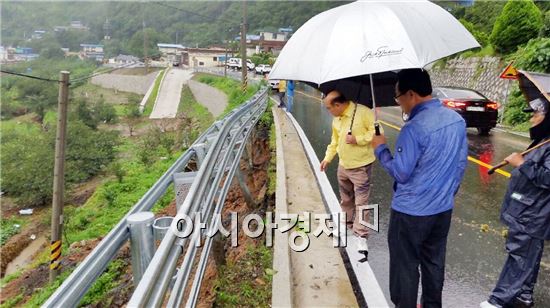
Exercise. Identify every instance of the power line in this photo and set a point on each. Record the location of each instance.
(29, 76)
(102, 72)
(194, 13)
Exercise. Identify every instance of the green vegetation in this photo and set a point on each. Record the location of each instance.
(12, 302)
(153, 97)
(535, 56)
(28, 156)
(230, 87)
(234, 288)
(20, 95)
(104, 284)
(215, 22)
(513, 114)
(518, 22)
(263, 58)
(43, 294)
(9, 227)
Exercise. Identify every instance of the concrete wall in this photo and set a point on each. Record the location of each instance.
(480, 74)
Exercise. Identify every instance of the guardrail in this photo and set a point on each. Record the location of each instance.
(217, 152)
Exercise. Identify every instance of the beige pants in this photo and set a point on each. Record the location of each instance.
(354, 186)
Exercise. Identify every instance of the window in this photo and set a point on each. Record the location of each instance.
(274, 36)
(201, 63)
(215, 59)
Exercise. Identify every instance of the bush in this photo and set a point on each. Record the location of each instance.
(28, 159)
(481, 37)
(535, 56)
(513, 114)
(545, 30)
(518, 22)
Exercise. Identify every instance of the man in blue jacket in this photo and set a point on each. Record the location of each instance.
(427, 166)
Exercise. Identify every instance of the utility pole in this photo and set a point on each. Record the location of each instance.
(59, 176)
(225, 62)
(244, 68)
(144, 40)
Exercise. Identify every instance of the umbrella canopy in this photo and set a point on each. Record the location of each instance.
(367, 37)
(534, 85)
(358, 88)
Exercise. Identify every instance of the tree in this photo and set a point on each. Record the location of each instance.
(153, 38)
(28, 160)
(480, 36)
(545, 29)
(85, 114)
(104, 112)
(535, 56)
(483, 14)
(519, 22)
(133, 116)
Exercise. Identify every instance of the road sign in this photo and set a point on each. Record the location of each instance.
(509, 72)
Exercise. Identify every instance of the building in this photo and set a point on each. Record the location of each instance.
(170, 49)
(272, 36)
(203, 57)
(92, 51)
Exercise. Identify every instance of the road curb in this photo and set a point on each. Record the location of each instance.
(281, 287)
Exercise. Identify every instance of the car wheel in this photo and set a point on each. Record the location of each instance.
(483, 131)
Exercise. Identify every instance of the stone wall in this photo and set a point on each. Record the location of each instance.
(480, 74)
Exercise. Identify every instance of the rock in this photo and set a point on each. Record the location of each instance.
(26, 212)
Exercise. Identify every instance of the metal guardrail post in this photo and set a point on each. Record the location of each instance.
(182, 184)
(142, 244)
(161, 226)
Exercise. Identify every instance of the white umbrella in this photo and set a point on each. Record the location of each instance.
(367, 37)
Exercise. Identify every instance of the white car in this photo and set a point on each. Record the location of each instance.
(263, 69)
(235, 63)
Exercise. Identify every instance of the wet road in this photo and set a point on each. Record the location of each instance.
(475, 250)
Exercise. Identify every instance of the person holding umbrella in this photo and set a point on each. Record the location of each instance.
(352, 132)
(526, 211)
(427, 167)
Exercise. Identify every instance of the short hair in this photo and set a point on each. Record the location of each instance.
(415, 79)
(341, 99)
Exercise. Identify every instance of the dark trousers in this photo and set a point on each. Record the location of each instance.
(417, 241)
(519, 275)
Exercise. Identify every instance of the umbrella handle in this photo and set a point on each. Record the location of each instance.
(377, 129)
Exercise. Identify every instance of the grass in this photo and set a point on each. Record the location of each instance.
(192, 109)
(486, 51)
(523, 127)
(94, 92)
(10, 227)
(10, 277)
(230, 87)
(104, 284)
(12, 302)
(234, 287)
(39, 298)
(152, 98)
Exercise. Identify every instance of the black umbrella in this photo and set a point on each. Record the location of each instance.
(358, 89)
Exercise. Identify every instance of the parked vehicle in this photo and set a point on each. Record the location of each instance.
(477, 110)
(235, 63)
(263, 69)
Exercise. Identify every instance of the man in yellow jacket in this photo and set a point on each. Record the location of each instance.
(352, 132)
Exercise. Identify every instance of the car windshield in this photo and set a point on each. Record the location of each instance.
(457, 94)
